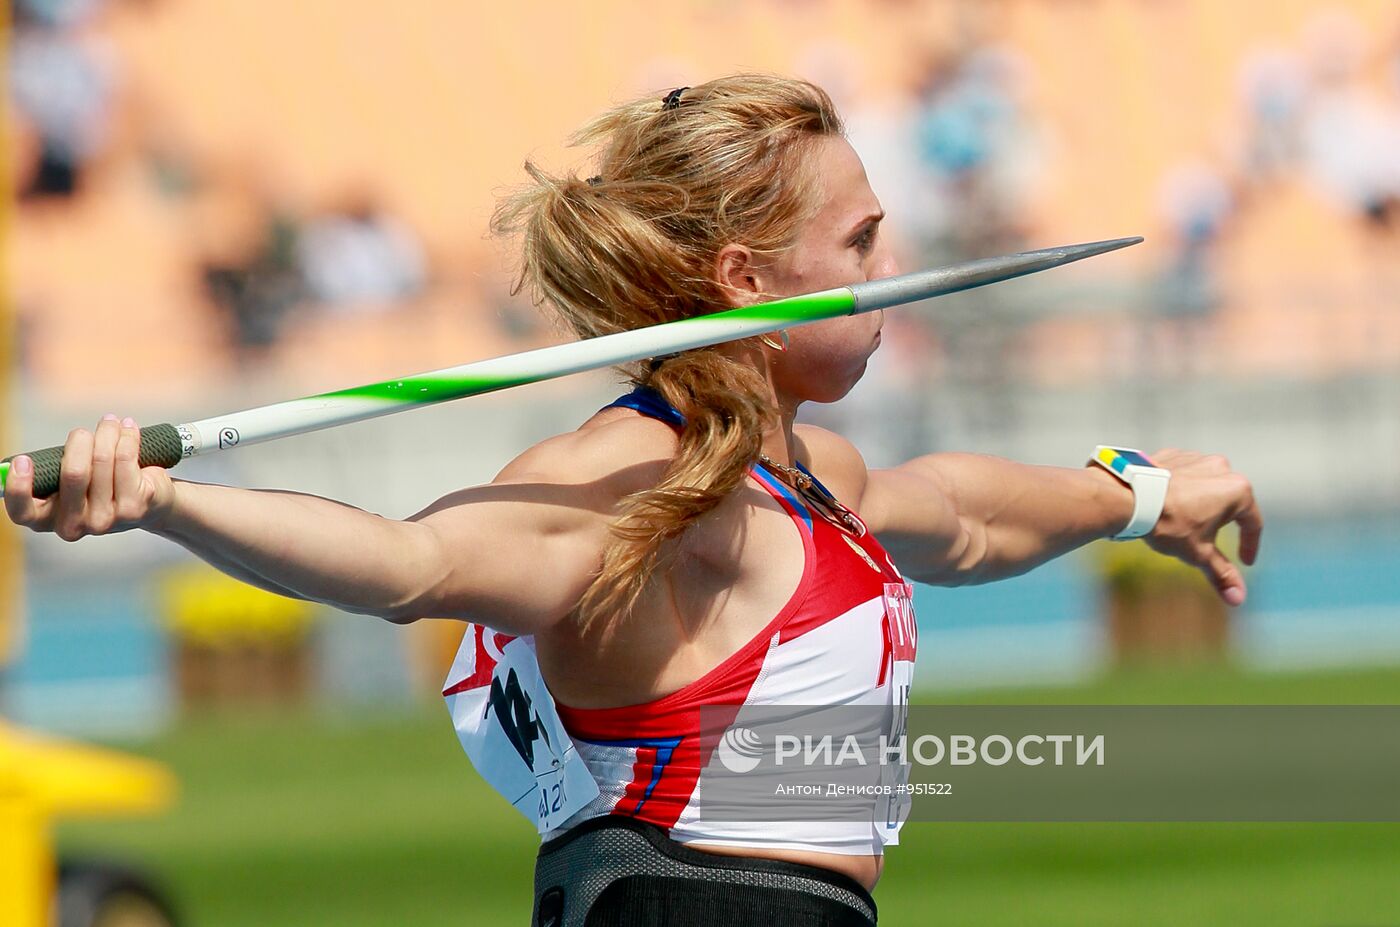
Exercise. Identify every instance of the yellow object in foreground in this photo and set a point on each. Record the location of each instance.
(1130, 564)
(42, 778)
(203, 606)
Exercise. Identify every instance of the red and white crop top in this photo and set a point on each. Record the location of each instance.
(845, 637)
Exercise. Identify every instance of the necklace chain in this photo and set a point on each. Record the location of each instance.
(807, 486)
(799, 479)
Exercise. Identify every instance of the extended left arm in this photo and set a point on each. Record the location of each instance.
(955, 519)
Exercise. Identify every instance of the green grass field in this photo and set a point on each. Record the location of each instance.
(310, 819)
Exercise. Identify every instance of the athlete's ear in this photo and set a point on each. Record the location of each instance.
(736, 274)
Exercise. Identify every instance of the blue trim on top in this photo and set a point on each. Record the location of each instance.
(865, 529)
(649, 401)
(816, 482)
(787, 494)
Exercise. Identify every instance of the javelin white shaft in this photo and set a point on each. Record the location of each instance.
(313, 413)
(345, 406)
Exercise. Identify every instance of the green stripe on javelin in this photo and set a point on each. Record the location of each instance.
(426, 389)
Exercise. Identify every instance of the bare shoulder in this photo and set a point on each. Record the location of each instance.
(545, 521)
(834, 460)
(616, 452)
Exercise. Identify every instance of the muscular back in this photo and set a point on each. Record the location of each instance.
(719, 584)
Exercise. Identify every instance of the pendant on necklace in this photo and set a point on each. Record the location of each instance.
(804, 484)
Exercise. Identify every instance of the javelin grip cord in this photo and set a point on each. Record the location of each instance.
(160, 447)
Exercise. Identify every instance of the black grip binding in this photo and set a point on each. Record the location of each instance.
(160, 447)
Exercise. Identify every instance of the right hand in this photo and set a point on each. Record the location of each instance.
(101, 490)
(1204, 495)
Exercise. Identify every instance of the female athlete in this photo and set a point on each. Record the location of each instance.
(689, 544)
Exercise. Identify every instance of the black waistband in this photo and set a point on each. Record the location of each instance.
(658, 838)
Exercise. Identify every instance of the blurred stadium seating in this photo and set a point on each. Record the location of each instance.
(1260, 320)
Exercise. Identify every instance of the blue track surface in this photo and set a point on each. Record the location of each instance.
(1329, 588)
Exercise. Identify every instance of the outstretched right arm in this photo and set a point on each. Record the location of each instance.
(515, 554)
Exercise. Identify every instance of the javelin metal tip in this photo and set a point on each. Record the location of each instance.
(1054, 257)
(941, 281)
(1091, 248)
(1111, 243)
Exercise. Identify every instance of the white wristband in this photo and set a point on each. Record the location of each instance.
(1147, 481)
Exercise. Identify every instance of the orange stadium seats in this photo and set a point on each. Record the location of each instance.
(435, 113)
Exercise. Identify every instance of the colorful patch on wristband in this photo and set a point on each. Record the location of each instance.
(1119, 460)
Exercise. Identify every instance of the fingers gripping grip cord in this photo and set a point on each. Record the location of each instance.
(160, 447)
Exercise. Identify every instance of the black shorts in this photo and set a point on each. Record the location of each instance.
(611, 871)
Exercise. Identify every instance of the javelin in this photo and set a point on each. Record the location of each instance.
(166, 445)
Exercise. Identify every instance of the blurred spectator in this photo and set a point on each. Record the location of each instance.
(54, 14)
(1351, 135)
(1353, 147)
(978, 144)
(1273, 89)
(1196, 201)
(62, 84)
(352, 260)
(976, 139)
(257, 293)
(358, 258)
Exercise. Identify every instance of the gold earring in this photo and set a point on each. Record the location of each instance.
(776, 347)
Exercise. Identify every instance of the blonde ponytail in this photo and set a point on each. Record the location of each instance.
(635, 246)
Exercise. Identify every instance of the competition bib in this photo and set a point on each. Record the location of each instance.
(508, 725)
